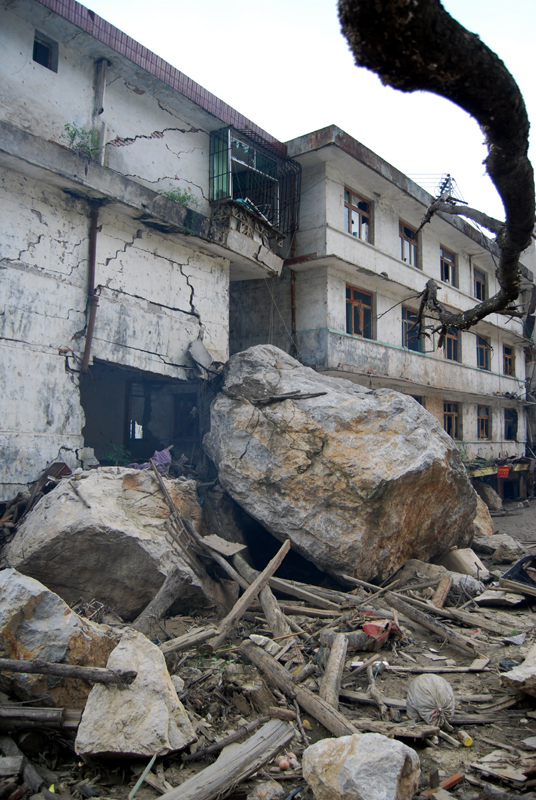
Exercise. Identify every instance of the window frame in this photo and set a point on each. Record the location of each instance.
(483, 346)
(411, 242)
(455, 344)
(513, 421)
(451, 264)
(483, 422)
(454, 415)
(350, 208)
(358, 303)
(408, 323)
(483, 293)
(509, 361)
(52, 46)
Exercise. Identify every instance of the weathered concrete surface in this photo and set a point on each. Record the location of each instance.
(141, 719)
(361, 767)
(36, 624)
(360, 481)
(118, 551)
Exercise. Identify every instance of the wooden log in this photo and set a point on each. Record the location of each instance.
(331, 719)
(362, 668)
(440, 594)
(235, 764)
(455, 639)
(396, 730)
(287, 587)
(274, 615)
(187, 640)
(331, 680)
(467, 617)
(173, 587)
(478, 665)
(242, 731)
(13, 717)
(363, 698)
(228, 623)
(92, 674)
(302, 611)
(375, 694)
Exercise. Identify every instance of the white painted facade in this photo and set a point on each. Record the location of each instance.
(326, 259)
(162, 268)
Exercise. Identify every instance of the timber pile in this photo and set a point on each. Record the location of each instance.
(288, 664)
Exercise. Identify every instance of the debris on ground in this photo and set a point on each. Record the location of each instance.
(157, 642)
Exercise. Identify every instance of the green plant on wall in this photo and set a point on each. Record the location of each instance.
(81, 141)
(184, 197)
(116, 455)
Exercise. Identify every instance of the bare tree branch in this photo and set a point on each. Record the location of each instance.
(414, 45)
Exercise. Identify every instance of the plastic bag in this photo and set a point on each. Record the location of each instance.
(431, 698)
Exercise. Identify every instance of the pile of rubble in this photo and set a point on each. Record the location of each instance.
(152, 646)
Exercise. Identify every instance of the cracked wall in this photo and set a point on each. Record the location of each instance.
(157, 293)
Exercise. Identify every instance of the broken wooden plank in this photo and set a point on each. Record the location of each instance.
(251, 592)
(222, 546)
(331, 719)
(235, 763)
(468, 618)
(173, 587)
(287, 587)
(396, 729)
(455, 639)
(440, 594)
(92, 674)
(478, 665)
(11, 765)
(331, 680)
(187, 640)
(29, 773)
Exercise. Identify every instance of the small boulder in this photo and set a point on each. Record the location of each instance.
(466, 562)
(488, 495)
(361, 767)
(36, 624)
(141, 719)
(503, 548)
(523, 677)
(118, 550)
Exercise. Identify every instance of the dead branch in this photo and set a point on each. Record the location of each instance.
(422, 48)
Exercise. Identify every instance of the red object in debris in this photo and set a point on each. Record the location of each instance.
(379, 630)
(503, 472)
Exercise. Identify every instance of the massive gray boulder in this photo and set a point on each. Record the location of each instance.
(359, 480)
(107, 540)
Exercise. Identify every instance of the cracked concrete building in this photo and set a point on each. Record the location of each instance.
(142, 215)
(131, 197)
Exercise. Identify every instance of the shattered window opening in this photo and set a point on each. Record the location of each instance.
(510, 424)
(480, 285)
(411, 338)
(408, 244)
(452, 345)
(509, 360)
(447, 263)
(45, 51)
(358, 312)
(136, 410)
(357, 215)
(483, 421)
(186, 417)
(251, 171)
(483, 352)
(451, 419)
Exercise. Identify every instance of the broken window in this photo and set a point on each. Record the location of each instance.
(357, 216)
(510, 424)
(136, 410)
(408, 244)
(452, 349)
(509, 360)
(410, 334)
(45, 51)
(254, 173)
(451, 419)
(483, 422)
(483, 352)
(447, 263)
(480, 284)
(358, 312)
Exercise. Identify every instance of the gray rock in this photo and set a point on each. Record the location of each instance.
(141, 719)
(36, 624)
(503, 548)
(117, 551)
(463, 586)
(483, 522)
(361, 767)
(268, 790)
(360, 481)
(488, 495)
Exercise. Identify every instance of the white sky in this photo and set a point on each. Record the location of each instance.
(285, 65)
